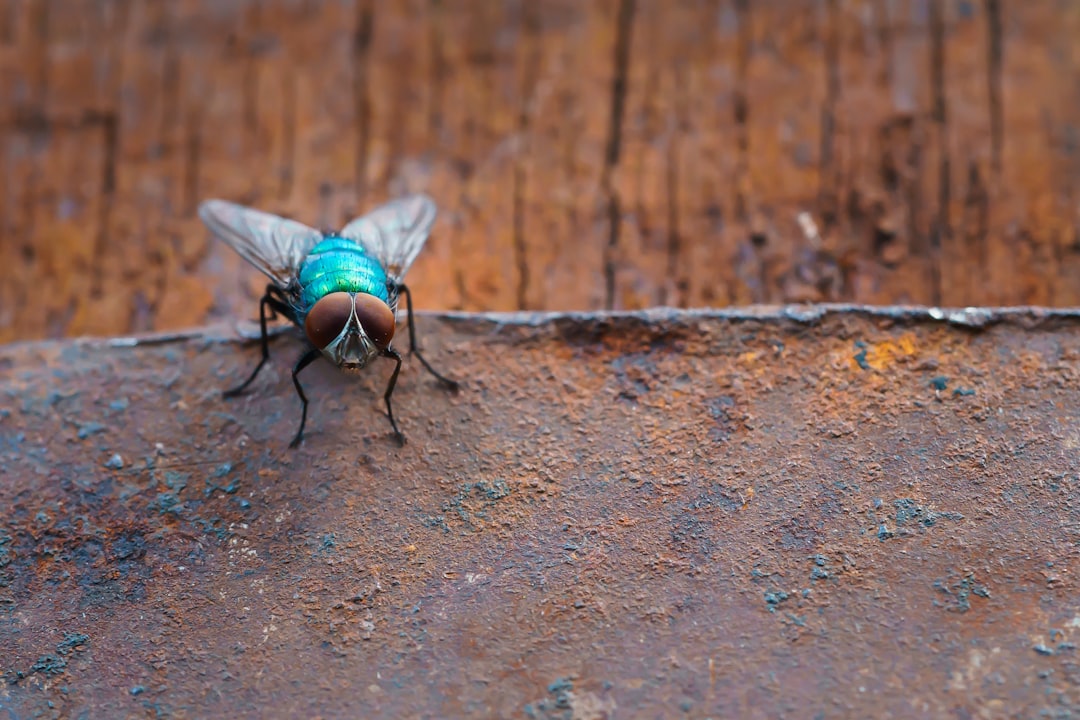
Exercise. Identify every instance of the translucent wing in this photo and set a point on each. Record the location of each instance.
(395, 232)
(273, 244)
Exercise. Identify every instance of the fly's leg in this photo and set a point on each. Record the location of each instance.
(273, 300)
(450, 384)
(305, 360)
(394, 355)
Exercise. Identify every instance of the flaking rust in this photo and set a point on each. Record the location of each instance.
(804, 511)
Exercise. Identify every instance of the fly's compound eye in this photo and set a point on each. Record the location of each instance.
(377, 319)
(328, 318)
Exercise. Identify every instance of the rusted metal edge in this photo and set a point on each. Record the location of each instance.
(974, 318)
(970, 317)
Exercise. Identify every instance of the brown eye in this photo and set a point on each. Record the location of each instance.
(376, 318)
(328, 318)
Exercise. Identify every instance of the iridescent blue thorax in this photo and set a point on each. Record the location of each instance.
(337, 264)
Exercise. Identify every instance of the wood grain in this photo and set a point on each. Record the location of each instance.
(585, 153)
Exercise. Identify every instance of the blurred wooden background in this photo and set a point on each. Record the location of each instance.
(585, 153)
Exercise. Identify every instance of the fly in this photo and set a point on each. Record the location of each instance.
(341, 288)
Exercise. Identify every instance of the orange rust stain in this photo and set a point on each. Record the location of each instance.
(748, 358)
(1030, 363)
(886, 354)
(883, 355)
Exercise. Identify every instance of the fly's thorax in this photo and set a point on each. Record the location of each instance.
(339, 265)
(350, 328)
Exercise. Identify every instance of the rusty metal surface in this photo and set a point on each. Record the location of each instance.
(806, 512)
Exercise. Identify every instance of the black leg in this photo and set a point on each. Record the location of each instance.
(305, 360)
(271, 300)
(450, 384)
(393, 354)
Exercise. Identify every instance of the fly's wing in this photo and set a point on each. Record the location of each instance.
(273, 244)
(393, 234)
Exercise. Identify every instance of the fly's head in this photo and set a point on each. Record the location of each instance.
(350, 328)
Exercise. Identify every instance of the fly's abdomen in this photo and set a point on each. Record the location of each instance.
(340, 265)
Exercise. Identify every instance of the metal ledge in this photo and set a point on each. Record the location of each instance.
(806, 511)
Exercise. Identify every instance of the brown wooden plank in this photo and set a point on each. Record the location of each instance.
(563, 226)
(607, 153)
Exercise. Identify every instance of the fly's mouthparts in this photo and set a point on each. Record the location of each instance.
(353, 349)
